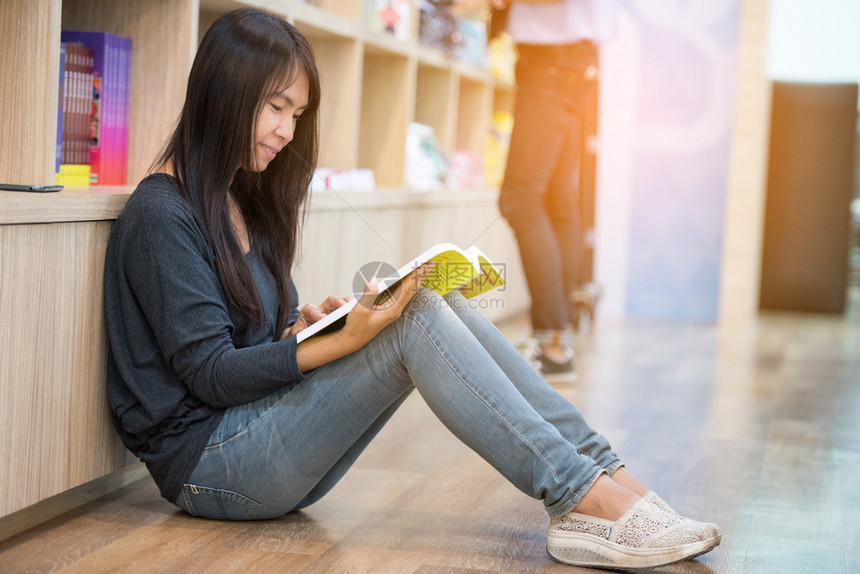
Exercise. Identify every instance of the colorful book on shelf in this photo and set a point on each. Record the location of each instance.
(73, 175)
(77, 103)
(468, 270)
(109, 103)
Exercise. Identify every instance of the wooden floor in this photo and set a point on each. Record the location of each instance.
(759, 432)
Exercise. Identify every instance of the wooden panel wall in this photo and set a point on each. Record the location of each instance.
(55, 424)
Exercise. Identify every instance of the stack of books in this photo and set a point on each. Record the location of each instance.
(76, 110)
(94, 114)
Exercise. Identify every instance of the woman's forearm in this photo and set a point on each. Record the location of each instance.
(317, 351)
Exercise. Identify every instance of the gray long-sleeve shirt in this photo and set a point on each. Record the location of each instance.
(180, 354)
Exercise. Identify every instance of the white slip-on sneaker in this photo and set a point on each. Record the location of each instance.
(655, 499)
(644, 537)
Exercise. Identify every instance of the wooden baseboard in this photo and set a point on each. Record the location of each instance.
(49, 508)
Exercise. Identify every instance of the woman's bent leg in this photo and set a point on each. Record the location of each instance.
(285, 451)
(471, 394)
(553, 407)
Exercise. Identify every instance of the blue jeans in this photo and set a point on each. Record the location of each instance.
(287, 450)
(540, 192)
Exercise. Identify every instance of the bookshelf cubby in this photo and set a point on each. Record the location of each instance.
(435, 102)
(474, 101)
(386, 88)
(58, 433)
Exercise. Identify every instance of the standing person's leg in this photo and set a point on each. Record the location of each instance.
(563, 197)
(538, 138)
(562, 203)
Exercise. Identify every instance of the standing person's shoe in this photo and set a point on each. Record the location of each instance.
(558, 367)
(583, 306)
(555, 372)
(646, 536)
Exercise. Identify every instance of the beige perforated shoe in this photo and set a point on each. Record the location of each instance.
(655, 499)
(646, 536)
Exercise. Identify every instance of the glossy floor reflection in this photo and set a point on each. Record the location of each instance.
(758, 431)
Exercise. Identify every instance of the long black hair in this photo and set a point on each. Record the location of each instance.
(246, 56)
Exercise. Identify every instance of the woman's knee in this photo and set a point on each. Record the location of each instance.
(458, 303)
(426, 301)
(430, 309)
(450, 307)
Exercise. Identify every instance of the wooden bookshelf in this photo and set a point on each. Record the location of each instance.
(374, 84)
(52, 339)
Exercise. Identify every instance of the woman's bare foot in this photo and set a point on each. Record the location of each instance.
(623, 477)
(607, 499)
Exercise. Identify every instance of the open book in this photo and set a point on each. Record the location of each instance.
(468, 270)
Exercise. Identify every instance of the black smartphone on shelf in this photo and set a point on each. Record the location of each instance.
(35, 188)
